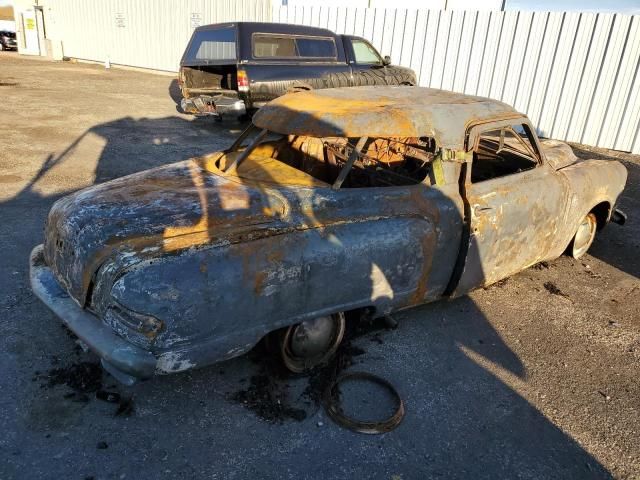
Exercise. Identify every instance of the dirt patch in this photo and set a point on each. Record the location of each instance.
(10, 179)
(553, 289)
(541, 266)
(498, 284)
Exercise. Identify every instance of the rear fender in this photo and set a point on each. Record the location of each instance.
(217, 302)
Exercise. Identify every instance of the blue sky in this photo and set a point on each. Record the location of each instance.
(621, 6)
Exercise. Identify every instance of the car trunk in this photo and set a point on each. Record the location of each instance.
(166, 209)
(216, 79)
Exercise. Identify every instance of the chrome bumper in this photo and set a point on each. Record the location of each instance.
(126, 362)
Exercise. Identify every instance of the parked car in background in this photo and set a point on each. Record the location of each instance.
(8, 40)
(335, 201)
(238, 67)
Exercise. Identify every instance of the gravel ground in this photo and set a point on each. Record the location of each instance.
(520, 380)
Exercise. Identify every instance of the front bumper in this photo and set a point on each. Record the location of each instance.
(213, 105)
(618, 216)
(124, 360)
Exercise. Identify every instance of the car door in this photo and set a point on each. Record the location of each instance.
(367, 66)
(514, 202)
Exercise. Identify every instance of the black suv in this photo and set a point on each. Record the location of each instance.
(8, 40)
(238, 67)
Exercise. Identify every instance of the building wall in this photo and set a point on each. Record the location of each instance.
(8, 25)
(430, 4)
(141, 33)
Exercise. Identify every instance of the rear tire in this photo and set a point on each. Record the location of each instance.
(585, 234)
(311, 343)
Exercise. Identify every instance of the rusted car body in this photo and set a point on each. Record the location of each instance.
(331, 201)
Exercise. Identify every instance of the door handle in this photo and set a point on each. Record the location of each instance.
(479, 209)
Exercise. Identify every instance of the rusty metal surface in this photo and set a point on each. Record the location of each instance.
(195, 264)
(558, 153)
(183, 241)
(380, 112)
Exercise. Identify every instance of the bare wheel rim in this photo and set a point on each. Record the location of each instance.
(584, 236)
(311, 343)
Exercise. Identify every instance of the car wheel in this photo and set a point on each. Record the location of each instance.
(584, 236)
(312, 342)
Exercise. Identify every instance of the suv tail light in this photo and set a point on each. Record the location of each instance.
(243, 81)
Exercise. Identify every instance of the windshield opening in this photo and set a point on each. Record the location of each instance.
(377, 161)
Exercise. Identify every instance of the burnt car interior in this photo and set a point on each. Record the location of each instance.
(503, 152)
(378, 162)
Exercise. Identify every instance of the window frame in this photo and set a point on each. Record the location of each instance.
(353, 52)
(294, 37)
(474, 132)
(193, 62)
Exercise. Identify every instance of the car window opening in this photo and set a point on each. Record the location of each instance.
(212, 45)
(365, 54)
(381, 162)
(266, 45)
(502, 152)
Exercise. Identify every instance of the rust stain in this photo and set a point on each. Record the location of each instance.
(380, 112)
(259, 280)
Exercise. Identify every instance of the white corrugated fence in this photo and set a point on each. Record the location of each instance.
(574, 74)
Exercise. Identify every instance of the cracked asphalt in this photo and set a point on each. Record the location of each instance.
(520, 380)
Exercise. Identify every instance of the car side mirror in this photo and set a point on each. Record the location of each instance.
(387, 60)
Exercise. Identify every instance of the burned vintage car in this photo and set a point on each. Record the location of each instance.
(331, 201)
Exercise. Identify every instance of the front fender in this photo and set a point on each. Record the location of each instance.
(591, 182)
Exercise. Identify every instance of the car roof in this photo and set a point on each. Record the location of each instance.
(270, 27)
(381, 111)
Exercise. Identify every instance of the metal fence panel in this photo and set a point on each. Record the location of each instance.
(576, 75)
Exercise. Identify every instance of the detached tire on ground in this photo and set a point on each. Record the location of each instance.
(312, 342)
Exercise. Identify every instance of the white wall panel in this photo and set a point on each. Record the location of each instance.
(143, 33)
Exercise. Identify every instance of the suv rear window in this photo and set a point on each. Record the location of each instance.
(209, 46)
(267, 45)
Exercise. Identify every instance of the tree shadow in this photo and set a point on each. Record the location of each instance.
(462, 419)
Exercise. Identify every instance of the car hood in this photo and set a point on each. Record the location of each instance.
(161, 211)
